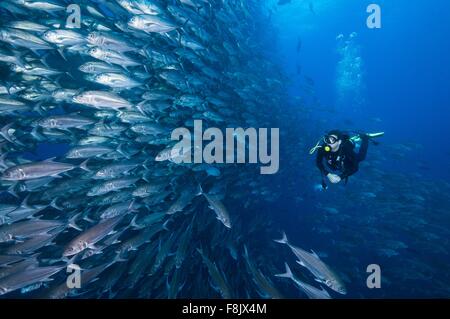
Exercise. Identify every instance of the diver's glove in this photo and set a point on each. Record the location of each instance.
(333, 178)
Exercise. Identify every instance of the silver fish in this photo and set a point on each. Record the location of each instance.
(316, 266)
(102, 100)
(91, 236)
(311, 291)
(36, 170)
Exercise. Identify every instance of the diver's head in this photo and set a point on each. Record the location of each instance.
(332, 141)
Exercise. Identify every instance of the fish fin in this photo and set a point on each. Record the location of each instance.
(287, 273)
(35, 51)
(139, 107)
(184, 23)
(143, 53)
(283, 240)
(301, 263)
(2, 159)
(314, 254)
(38, 136)
(246, 252)
(4, 132)
(44, 60)
(93, 247)
(118, 259)
(24, 203)
(70, 260)
(133, 223)
(71, 223)
(199, 190)
(69, 75)
(11, 190)
(38, 108)
(61, 53)
(125, 68)
(120, 151)
(46, 280)
(130, 207)
(19, 61)
(84, 167)
(318, 280)
(166, 223)
(54, 205)
(86, 218)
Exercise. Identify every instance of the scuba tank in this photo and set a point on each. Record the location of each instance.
(356, 141)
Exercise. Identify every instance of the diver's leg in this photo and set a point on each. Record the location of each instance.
(363, 148)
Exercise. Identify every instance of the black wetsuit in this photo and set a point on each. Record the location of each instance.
(344, 162)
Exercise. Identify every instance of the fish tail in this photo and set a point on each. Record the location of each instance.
(283, 240)
(4, 132)
(199, 190)
(24, 203)
(84, 167)
(2, 160)
(133, 223)
(12, 190)
(72, 222)
(287, 273)
(245, 251)
(54, 204)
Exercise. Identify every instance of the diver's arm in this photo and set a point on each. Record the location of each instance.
(319, 163)
(321, 167)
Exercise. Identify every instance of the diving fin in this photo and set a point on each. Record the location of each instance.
(373, 135)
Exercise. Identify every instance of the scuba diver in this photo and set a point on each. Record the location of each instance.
(336, 156)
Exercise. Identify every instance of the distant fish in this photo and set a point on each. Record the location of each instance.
(282, 2)
(311, 8)
(299, 45)
(299, 69)
(219, 208)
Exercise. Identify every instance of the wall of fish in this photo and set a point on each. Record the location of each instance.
(86, 175)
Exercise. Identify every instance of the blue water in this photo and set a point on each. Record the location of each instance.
(341, 75)
(406, 68)
(405, 88)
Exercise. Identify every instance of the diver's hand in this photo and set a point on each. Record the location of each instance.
(333, 178)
